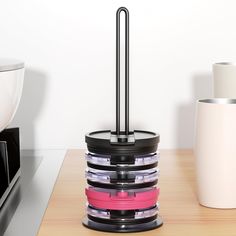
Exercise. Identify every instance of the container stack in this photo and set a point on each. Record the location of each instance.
(122, 174)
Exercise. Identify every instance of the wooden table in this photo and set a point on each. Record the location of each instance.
(178, 203)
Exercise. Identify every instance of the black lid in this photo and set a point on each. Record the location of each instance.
(106, 142)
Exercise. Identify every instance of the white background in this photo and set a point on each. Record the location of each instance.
(69, 50)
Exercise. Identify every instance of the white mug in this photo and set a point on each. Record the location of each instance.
(224, 80)
(215, 152)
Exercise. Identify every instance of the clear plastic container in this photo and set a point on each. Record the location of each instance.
(104, 176)
(138, 214)
(105, 160)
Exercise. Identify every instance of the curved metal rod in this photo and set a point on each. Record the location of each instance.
(125, 10)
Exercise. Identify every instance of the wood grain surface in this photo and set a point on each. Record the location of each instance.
(179, 208)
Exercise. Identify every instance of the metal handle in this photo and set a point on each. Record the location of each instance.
(125, 10)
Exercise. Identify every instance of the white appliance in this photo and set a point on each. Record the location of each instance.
(11, 84)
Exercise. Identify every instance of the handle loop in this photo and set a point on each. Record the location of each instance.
(125, 10)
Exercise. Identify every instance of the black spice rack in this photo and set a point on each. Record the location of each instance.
(122, 167)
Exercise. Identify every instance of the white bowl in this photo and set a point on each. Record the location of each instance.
(11, 84)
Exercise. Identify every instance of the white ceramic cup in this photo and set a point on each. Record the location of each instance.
(224, 80)
(215, 152)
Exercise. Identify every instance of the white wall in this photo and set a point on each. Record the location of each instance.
(69, 50)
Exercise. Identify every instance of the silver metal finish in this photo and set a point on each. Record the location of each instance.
(23, 210)
(218, 101)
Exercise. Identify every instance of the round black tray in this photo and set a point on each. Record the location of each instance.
(138, 142)
(122, 228)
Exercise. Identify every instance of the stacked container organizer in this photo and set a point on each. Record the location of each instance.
(122, 173)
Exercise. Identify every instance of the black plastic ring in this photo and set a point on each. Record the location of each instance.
(123, 221)
(122, 168)
(122, 186)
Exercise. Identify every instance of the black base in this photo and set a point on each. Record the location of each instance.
(119, 228)
(9, 160)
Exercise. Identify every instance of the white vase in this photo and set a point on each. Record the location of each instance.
(215, 152)
(224, 79)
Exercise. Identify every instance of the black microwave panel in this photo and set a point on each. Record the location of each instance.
(11, 137)
(3, 168)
